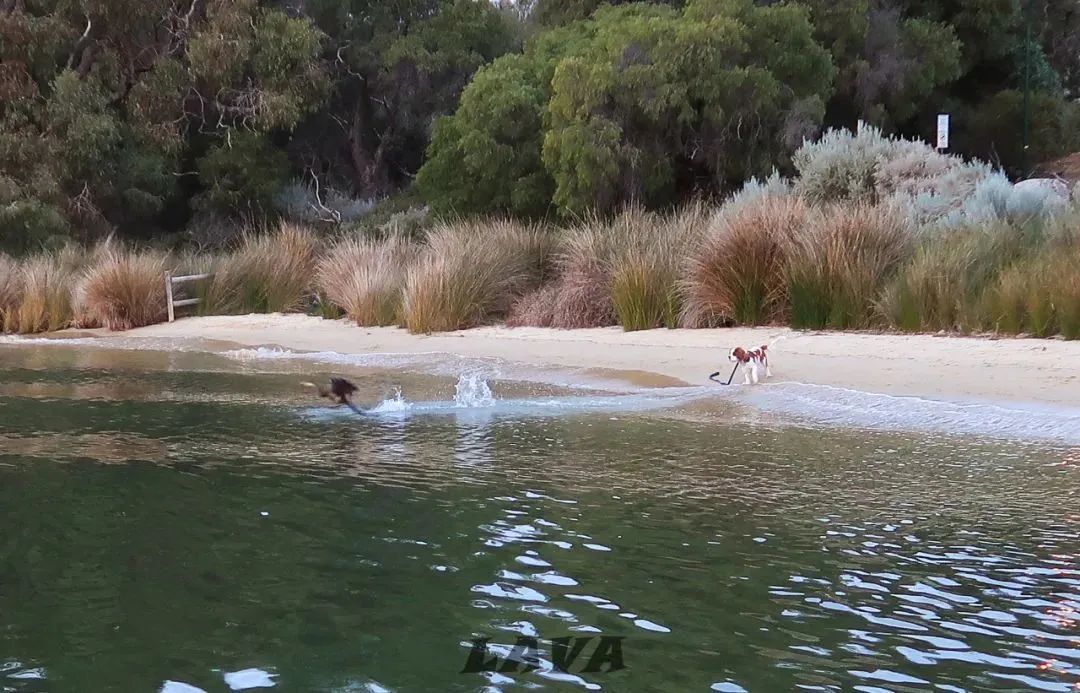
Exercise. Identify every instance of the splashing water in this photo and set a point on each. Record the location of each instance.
(472, 392)
(392, 404)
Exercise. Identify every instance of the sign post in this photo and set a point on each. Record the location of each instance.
(942, 132)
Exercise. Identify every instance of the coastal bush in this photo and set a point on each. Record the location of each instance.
(1065, 294)
(365, 277)
(841, 165)
(534, 309)
(646, 265)
(839, 263)
(123, 289)
(10, 289)
(582, 294)
(45, 302)
(470, 271)
(1039, 295)
(736, 273)
(270, 272)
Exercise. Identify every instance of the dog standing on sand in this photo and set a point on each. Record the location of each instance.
(752, 360)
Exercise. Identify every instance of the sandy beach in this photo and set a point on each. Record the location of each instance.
(937, 367)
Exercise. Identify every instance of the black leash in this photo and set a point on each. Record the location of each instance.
(713, 376)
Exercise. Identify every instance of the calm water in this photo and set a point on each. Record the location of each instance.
(183, 522)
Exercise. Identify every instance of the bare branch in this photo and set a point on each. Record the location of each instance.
(334, 215)
(80, 44)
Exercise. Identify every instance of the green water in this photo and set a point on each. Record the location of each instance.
(176, 521)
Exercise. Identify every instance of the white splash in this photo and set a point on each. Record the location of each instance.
(473, 392)
(393, 404)
(249, 678)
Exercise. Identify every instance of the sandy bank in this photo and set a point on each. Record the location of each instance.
(952, 368)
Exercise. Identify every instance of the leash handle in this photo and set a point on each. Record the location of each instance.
(730, 377)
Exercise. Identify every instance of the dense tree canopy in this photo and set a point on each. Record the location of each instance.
(642, 102)
(142, 115)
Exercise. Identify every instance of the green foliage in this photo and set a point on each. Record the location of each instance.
(242, 173)
(629, 103)
(115, 115)
(105, 104)
(487, 156)
(996, 126)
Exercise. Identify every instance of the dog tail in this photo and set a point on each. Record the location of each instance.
(774, 341)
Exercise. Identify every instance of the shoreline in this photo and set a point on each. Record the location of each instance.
(948, 368)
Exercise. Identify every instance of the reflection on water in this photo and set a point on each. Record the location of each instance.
(248, 540)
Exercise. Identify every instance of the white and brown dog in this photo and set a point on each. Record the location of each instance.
(752, 360)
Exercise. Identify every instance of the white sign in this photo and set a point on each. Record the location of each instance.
(943, 131)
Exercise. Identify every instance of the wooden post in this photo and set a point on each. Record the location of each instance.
(169, 295)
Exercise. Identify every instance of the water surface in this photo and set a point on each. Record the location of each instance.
(184, 522)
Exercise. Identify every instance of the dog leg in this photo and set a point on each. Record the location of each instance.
(768, 368)
(746, 373)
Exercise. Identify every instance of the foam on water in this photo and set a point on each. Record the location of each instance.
(844, 407)
(438, 364)
(47, 341)
(473, 397)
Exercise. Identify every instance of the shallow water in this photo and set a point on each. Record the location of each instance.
(185, 522)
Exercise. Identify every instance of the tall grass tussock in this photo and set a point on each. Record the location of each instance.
(841, 262)
(270, 272)
(124, 289)
(737, 273)
(10, 291)
(365, 277)
(472, 271)
(647, 265)
(45, 303)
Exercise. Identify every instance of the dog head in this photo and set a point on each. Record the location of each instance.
(738, 354)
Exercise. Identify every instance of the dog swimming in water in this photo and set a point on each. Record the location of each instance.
(340, 391)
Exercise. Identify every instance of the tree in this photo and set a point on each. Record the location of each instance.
(487, 156)
(397, 66)
(641, 102)
(106, 102)
(891, 66)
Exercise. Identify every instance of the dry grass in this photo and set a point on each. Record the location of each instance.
(10, 290)
(366, 277)
(124, 289)
(534, 309)
(270, 272)
(1065, 295)
(45, 304)
(1039, 295)
(582, 293)
(736, 274)
(840, 264)
(82, 315)
(472, 271)
(646, 264)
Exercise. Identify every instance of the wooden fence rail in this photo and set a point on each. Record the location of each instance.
(170, 282)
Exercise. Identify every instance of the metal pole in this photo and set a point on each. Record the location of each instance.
(1027, 85)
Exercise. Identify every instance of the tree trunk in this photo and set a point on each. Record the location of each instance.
(366, 148)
